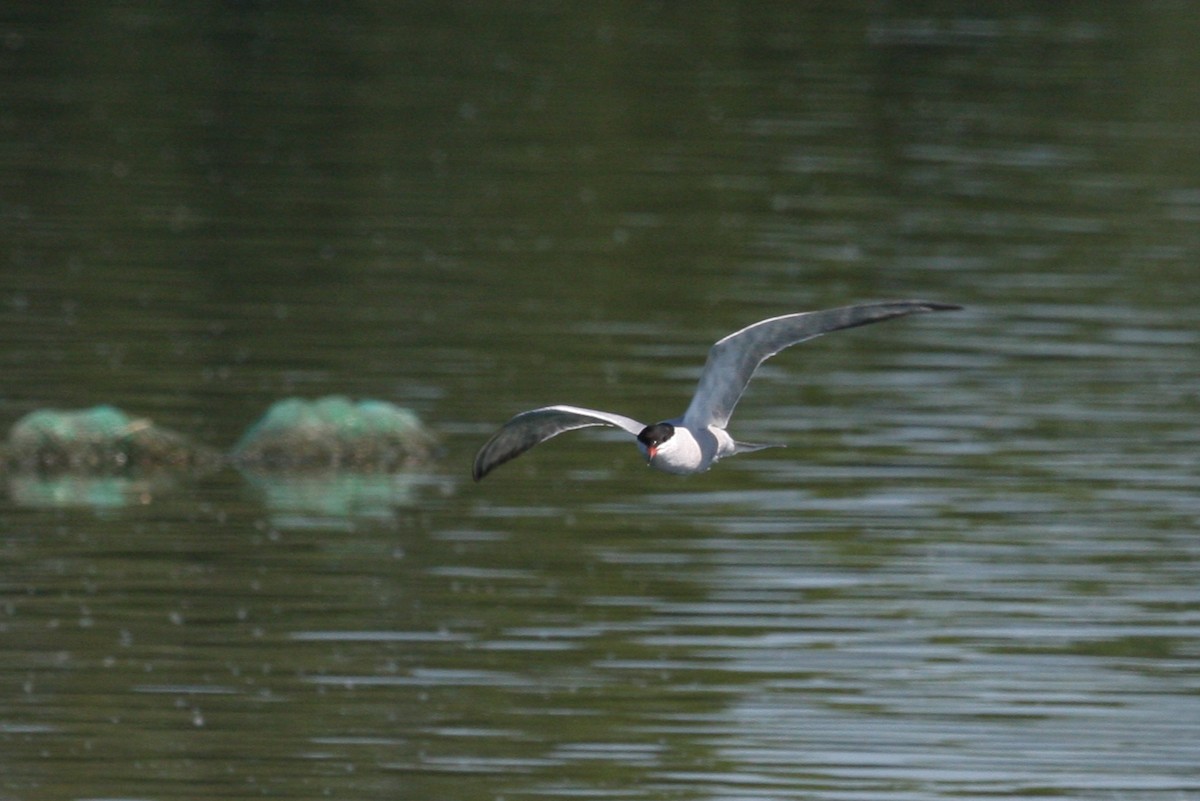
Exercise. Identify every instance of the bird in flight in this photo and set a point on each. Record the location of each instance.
(692, 442)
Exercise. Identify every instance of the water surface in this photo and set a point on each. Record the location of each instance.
(972, 573)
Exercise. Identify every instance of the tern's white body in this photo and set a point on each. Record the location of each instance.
(689, 451)
(693, 442)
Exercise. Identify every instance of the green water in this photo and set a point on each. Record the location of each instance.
(972, 573)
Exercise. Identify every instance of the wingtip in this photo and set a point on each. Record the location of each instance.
(478, 471)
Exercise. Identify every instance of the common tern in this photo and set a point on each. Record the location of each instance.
(692, 442)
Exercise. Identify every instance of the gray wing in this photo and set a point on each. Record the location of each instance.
(538, 425)
(733, 360)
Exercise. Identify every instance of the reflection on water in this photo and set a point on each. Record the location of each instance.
(971, 572)
(98, 492)
(325, 494)
(338, 494)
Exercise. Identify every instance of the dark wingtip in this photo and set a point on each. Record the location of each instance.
(486, 462)
(478, 471)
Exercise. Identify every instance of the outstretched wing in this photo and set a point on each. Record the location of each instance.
(733, 360)
(538, 425)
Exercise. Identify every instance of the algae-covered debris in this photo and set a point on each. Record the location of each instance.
(335, 432)
(102, 439)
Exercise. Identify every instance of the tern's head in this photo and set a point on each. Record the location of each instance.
(653, 437)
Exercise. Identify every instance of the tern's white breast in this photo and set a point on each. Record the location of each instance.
(687, 452)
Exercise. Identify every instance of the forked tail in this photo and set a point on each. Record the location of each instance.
(749, 447)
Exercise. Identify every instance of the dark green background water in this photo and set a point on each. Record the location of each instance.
(973, 573)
